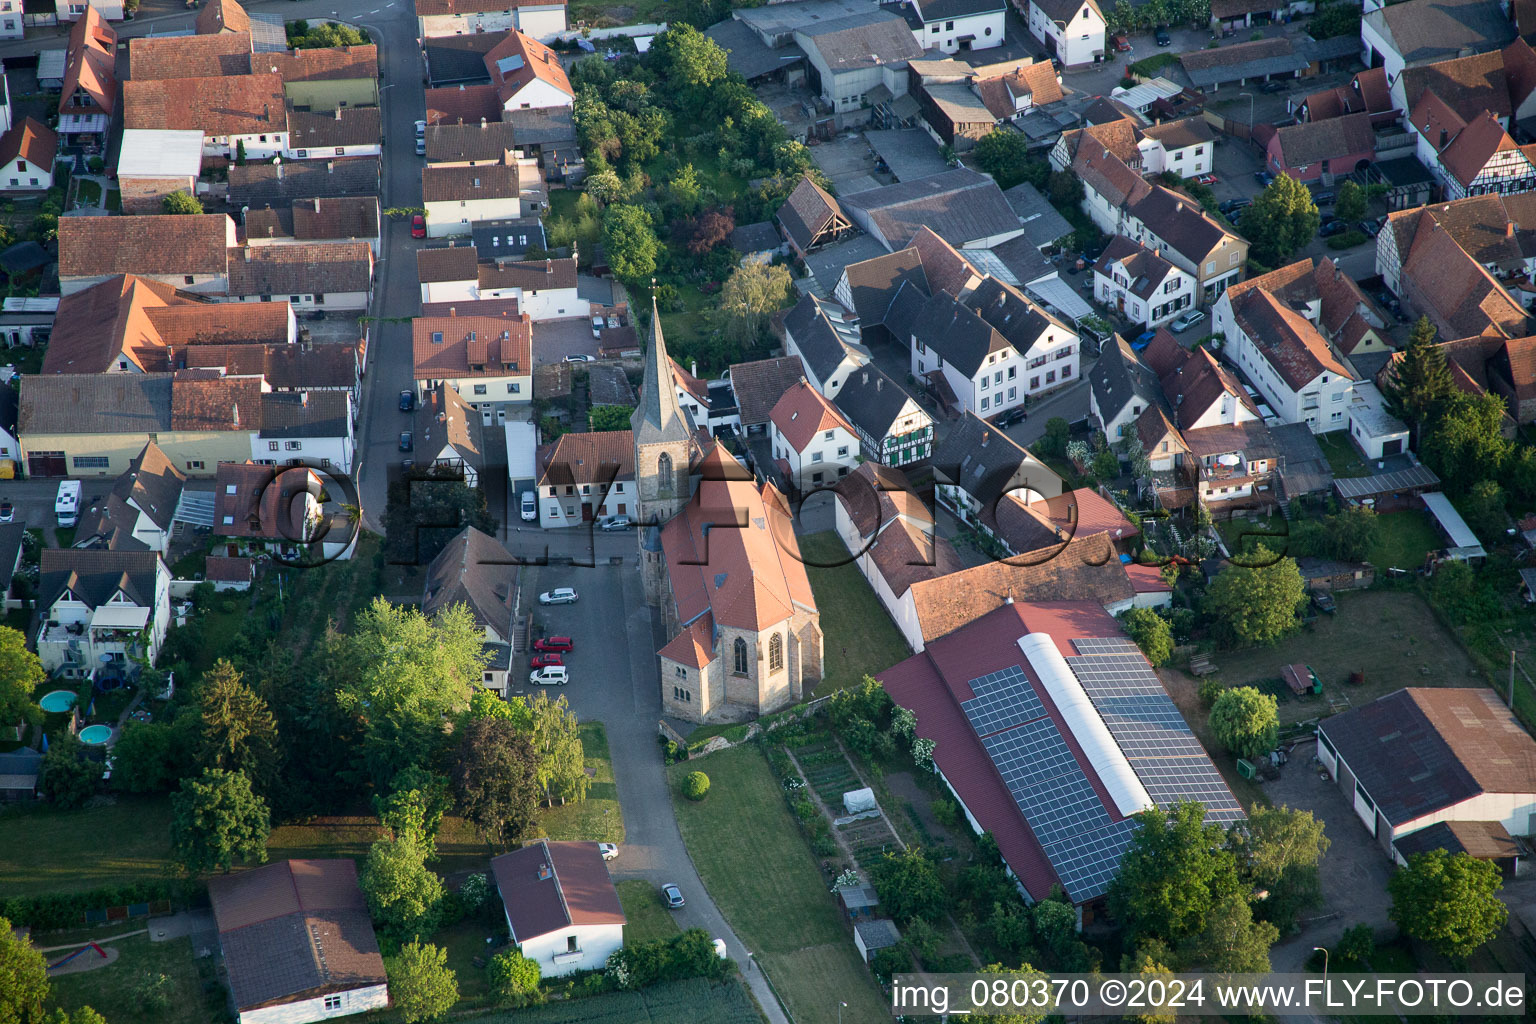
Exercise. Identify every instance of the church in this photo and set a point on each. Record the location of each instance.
(719, 558)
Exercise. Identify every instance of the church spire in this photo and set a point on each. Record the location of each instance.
(658, 417)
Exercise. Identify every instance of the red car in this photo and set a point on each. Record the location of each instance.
(540, 660)
(418, 226)
(554, 643)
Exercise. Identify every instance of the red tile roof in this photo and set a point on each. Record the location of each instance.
(519, 60)
(222, 16)
(601, 456)
(548, 886)
(92, 64)
(31, 140)
(330, 63)
(159, 57)
(221, 105)
(463, 104)
(447, 347)
(160, 245)
(802, 413)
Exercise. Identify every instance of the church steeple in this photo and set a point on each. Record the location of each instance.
(658, 417)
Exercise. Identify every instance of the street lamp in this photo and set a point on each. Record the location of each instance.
(840, 1008)
(1250, 106)
(1324, 951)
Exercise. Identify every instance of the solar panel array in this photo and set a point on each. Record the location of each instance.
(1003, 699)
(1148, 728)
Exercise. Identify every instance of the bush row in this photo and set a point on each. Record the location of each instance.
(50, 911)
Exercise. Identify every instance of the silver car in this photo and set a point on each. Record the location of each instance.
(560, 595)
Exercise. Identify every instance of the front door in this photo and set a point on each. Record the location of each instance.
(586, 511)
(486, 414)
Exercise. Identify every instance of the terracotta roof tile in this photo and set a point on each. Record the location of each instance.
(443, 346)
(475, 570)
(587, 458)
(322, 63)
(547, 886)
(31, 140)
(1468, 85)
(160, 245)
(760, 384)
(222, 17)
(945, 269)
(478, 141)
(319, 267)
(345, 126)
(533, 275)
(92, 57)
(460, 184)
(464, 104)
(519, 60)
(1288, 341)
(201, 400)
(454, 263)
(808, 211)
(802, 413)
(429, 8)
(205, 56)
(223, 105)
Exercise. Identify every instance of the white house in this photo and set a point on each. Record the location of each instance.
(1123, 387)
(1470, 158)
(582, 477)
(1071, 30)
(544, 289)
(239, 115)
(854, 55)
(12, 20)
(1140, 285)
(27, 152)
(448, 275)
(1186, 147)
(308, 275)
(456, 197)
(138, 513)
(1375, 431)
(975, 362)
(528, 75)
(560, 905)
(893, 429)
(102, 610)
(449, 434)
(476, 571)
(312, 427)
(542, 20)
(826, 337)
(955, 25)
(326, 135)
(74, 10)
(817, 444)
(486, 359)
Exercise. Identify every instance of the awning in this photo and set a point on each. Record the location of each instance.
(82, 124)
(1053, 291)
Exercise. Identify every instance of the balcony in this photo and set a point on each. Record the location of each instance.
(569, 956)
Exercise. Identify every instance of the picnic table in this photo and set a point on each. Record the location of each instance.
(1201, 665)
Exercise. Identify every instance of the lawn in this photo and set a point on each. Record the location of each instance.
(465, 941)
(1402, 540)
(88, 193)
(645, 919)
(597, 818)
(43, 850)
(761, 874)
(194, 995)
(695, 1001)
(601, 13)
(860, 638)
(1343, 458)
(114, 202)
(1241, 534)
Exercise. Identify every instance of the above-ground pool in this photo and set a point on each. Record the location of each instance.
(95, 735)
(57, 701)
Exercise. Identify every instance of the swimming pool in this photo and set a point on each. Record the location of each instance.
(95, 735)
(57, 701)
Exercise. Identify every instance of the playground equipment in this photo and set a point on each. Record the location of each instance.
(89, 945)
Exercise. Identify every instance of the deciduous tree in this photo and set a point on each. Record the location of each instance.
(495, 776)
(217, 820)
(180, 203)
(909, 885)
(751, 295)
(1175, 872)
(1027, 975)
(1464, 442)
(1004, 154)
(556, 737)
(609, 417)
(144, 759)
(630, 242)
(421, 984)
(403, 893)
(1278, 853)
(514, 978)
(1151, 632)
(1449, 901)
(20, 675)
(712, 228)
(416, 808)
(688, 57)
(1232, 940)
(1245, 721)
(1282, 219)
(66, 776)
(1259, 605)
(23, 978)
(1350, 203)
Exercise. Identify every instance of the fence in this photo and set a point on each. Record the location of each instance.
(102, 915)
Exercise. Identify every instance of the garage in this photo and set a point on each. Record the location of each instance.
(43, 464)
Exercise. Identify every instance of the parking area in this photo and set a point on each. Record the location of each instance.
(553, 340)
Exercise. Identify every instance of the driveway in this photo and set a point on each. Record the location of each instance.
(617, 684)
(553, 340)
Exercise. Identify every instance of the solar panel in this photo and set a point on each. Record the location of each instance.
(1003, 699)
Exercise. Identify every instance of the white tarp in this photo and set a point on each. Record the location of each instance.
(1455, 527)
(859, 801)
(1053, 291)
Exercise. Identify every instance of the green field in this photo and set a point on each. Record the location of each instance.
(761, 874)
(1402, 540)
(43, 850)
(860, 638)
(597, 818)
(677, 1002)
(193, 995)
(645, 918)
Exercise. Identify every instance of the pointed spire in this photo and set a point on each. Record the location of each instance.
(658, 417)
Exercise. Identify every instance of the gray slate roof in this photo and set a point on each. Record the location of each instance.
(747, 54)
(908, 152)
(542, 126)
(1120, 376)
(871, 400)
(260, 183)
(506, 239)
(1304, 468)
(807, 211)
(827, 265)
(1042, 224)
(960, 336)
(305, 414)
(958, 205)
(1432, 30)
(822, 345)
(987, 463)
(94, 575)
(474, 570)
(753, 238)
(870, 39)
(452, 60)
(873, 284)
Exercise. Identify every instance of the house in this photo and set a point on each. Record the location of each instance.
(27, 320)
(200, 56)
(13, 539)
(325, 135)
(474, 570)
(1122, 387)
(542, 19)
(309, 275)
(871, 936)
(977, 466)
(1418, 758)
(229, 573)
(222, 17)
(1238, 14)
(954, 115)
(325, 78)
(268, 508)
(560, 905)
(1470, 158)
(759, 385)
(964, 208)
(266, 184)
(138, 513)
(342, 218)
(1372, 427)
(463, 104)
(1012, 89)
(1053, 678)
(1403, 35)
(736, 601)
(1140, 285)
(448, 435)
(1048, 347)
(1484, 245)
(239, 115)
(544, 289)
(827, 341)
(811, 218)
(488, 360)
(448, 275)
(458, 60)
(456, 196)
(12, 19)
(527, 74)
(854, 55)
(1072, 31)
(1367, 92)
(956, 25)
(297, 941)
(188, 252)
(817, 446)
(102, 611)
(1186, 147)
(893, 429)
(27, 153)
(1322, 151)
(1497, 81)
(869, 288)
(89, 94)
(153, 164)
(489, 142)
(584, 477)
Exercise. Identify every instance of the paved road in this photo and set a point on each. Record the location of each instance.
(616, 683)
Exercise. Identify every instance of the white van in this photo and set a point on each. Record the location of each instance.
(549, 675)
(66, 507)
(530, 507)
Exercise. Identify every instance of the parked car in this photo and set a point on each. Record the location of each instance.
(549, 675)
(1332, 227)
(421, 129)
(544, 660)
(1323, 198)
(1162, 37)
(1207, 179)
(1122, 42)
(608, 850)
(1372, 228)
(554, 643)
(1009, 418)
(7, 512)
(421, 147)
(1143, 340)
(530, 507)
(581, 357)
(1264, 178)
(407, 401)
(597, 326)
(1274, 85)
(1232, 207)
(615, 523)
(418, 222)
(672, 896)
(560, 595)
(406, 442)
(1186, 321)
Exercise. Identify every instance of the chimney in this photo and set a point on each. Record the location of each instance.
(330, 167)
(549, 268)
(316, 204)
(693, 367)
(1509, 230)
(304, 399)
(1443, 136)
(461, 87)
(279, 172)
(985, 434)
(864, 377)
(453, 310)
(247, 253)
(878, 382)
(338, 113)
(482, 124)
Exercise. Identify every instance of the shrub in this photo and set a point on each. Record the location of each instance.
(1348, 240)
(696, 786)
(514, 978)
(1210, 689)
(1357, 945)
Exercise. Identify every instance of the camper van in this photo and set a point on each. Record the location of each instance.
(67, 505)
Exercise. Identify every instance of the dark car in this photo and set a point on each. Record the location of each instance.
(1277, 85)
(1264, 178)
(1332, 227)
(1009, 418)
(1232, 207)
(407, 401)
(1323, 198)
(1162, 37)
(406, 442)
(1372, 228)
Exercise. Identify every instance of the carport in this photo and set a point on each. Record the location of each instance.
(522, 445)
(1056, 293)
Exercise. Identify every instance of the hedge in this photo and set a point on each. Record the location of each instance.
(52, 911)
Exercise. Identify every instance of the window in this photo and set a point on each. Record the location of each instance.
(618, 488)
(1013, 371)
(678, 693)
(479, 389)
(816, 456)
(333, 1002)
(301, 153)
(570, 510)
(775, 653)
(842, 452)
(195, 464)
(739, 657)
(570, 944)
(827, 436)
(1034, 382)
(553, 491)
(1210, 268)
(341, 150)
(1013, 393)
(513, 389)
(1232, 260)
(984, 402)
(664, 473)
(949, 26)
(92, 462)
(188, 279)
(293, 446)
(986, 382)
(271, 446)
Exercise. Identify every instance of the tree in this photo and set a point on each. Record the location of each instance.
(1464, 441)
(84, 1015)
(688, 57)
(239, 732)
(1151, 632)
(555, 734)
(1356, 946)
(1279, 853)
(180, 203)
(495, 776)
(403, 675)
(1450, 902)
(66, 776)
(630, 242)
(144, 759)
(1482, 506)
(1420, 381)
(711, 228)
(421, 983)
(1232, 941)
(1350, 202)
(1176, 870)
(753, 293)
(416, 808)
(1245, 721)
(514, 978)
(1014, 1016)
(1282, 219)
(1351, 533)
(696, 786)
(23, 978)
(609, 417)
(1057, 433)
(403, 895)
(1254, 606)
(20, 675)
(426, 510)
(216, 820)
(1151, 969)
(908, 885)
(686, 190)
(1002, 153)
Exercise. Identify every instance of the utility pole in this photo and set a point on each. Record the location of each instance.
(1511, 680)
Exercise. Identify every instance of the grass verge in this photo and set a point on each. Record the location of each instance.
(193, 994)
(597, 818)
(46, 850)
(860, 638)
(645, 919)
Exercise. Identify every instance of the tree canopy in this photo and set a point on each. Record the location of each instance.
(20, 675)
(421, 984)
(630, 242)
(23, 978)
(1419, 380)
(1278, 853)
(752, 294)
(403, 894)
(1464, 442)
(909, 885)
(180, 203)
(1449, 901)
(1245, 721)
(1175, 872)
(609, 417)
(1232, 941)
(1151, 632)
(66, 776)
(1259, 605)
(239, 733)
(495, 776)
(1282, 219)
(217, 820)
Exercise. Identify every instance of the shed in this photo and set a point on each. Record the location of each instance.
(1464, 543)
(18, 774)
(1394, 488)
(1484, 840)
(859, 800)
(1301, 679)
(858, 900)
(874, 935)
(1327, 574)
